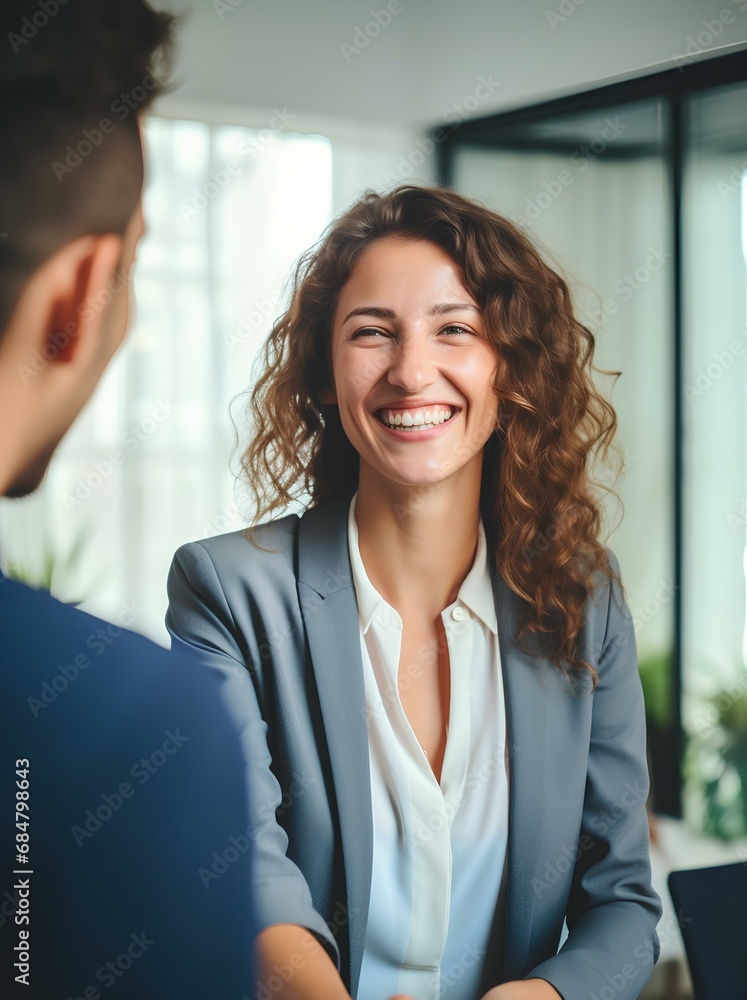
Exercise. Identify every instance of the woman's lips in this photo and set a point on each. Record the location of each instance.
(417, 432)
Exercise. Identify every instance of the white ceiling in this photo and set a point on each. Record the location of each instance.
(429, 59)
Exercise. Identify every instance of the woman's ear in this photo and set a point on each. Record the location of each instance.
(329, 396)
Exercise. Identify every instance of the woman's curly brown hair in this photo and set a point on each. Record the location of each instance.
(540, 507)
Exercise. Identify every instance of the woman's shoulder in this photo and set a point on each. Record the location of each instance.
(610, 583)
(608, 615)
(274, 544)
(606, 580)
(271, 547)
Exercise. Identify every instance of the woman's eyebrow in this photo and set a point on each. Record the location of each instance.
(381, 312)
(447, 307)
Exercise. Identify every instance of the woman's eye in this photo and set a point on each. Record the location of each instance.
(366, 331)
(372, 331)
(456, 328)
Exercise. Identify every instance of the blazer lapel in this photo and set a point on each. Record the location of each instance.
(330, 613)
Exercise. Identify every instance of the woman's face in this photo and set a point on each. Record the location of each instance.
(408, 347)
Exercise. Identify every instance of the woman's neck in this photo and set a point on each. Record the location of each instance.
(418, 543)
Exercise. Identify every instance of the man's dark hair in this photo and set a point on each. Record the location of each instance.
(75, 76)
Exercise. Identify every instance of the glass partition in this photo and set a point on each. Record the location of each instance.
(638, 191)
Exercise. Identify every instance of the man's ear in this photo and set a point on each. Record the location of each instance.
(82, 274)
(64, 301)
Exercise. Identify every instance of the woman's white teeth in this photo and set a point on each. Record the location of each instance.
(418, 418)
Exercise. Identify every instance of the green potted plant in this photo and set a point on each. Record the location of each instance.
(716, 761)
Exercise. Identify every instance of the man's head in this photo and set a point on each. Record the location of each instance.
(75, 78)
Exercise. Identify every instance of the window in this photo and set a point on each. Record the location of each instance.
(146, 467)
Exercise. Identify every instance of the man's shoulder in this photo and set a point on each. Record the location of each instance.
(31, 619)
(137, 774)
(47, 645)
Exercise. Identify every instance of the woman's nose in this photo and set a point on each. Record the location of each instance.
(412, 365)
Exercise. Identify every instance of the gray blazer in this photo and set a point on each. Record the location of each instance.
(578, 843)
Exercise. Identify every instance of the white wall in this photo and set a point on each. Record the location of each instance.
(429, 59)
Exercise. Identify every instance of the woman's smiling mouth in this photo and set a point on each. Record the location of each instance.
(423, 422)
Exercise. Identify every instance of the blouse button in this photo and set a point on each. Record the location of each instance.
(457, 614)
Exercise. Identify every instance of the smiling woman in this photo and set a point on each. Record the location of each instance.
(418, 364)
(443, 617)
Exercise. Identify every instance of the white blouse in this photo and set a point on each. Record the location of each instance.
(439, 849)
